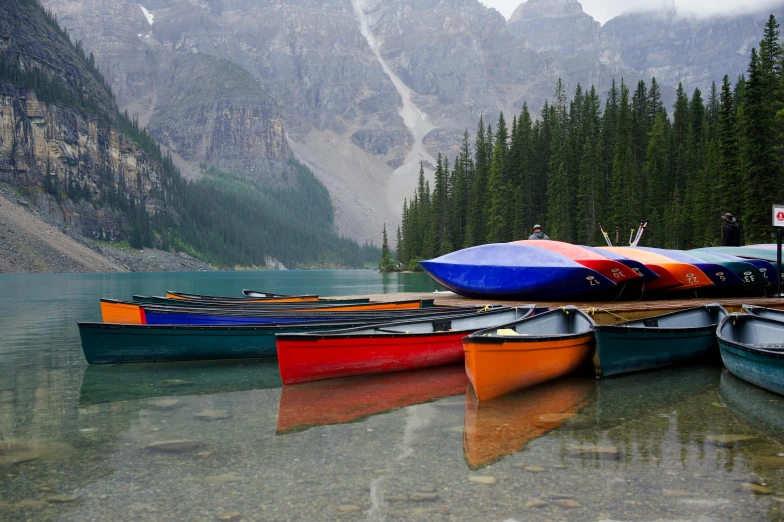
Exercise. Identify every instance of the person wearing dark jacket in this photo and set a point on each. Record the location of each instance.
(731, 234)
(538, 234)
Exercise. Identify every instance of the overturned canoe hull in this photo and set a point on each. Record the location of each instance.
(513, 271)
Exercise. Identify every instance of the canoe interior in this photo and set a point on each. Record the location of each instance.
(562, 321)
(698, 317)
(469, 322)
(753, 332)
(767, 313)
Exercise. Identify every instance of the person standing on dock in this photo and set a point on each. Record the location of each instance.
(731, 233)
(538, 234)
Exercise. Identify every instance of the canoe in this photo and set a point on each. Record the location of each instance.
(157, 315)
(763, 311)
(646, 274)
(262, 295)
(292, 298)
(352, 399)
(121, 312)
(127, 382)
(767, 254)
(767, 268)
(512, 271)
(657, 342)
(752, 348)
(613, 270)
(504, 426)
(528, 352)
(723, 276)
(121, 343)
(689, 275)
(405, 345)
(752, 278)
(249, 304)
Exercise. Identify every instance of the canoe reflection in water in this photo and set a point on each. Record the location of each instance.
(125, 382)
(352, 399)
(753, 405)
(500, 427)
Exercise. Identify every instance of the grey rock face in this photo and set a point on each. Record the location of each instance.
(555, 25)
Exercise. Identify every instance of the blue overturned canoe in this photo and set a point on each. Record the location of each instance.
(513, 271)
(752, 348)
(657, 342)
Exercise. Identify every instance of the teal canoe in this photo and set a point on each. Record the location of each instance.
(752, 348)
(657, 342)
(750, 252)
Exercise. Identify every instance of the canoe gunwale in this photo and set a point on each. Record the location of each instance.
(620, 327)
(503, 339)
(486, 336)
(208, 327)
(742, 347)
(352, 332)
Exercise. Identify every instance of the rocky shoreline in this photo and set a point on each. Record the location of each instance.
(32, 242)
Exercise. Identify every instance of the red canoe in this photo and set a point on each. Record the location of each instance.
(613, 270)
(390, 347)
(347, 400)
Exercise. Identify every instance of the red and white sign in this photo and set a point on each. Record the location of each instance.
(778, 216)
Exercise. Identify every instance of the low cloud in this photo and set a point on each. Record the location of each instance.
(603, 10)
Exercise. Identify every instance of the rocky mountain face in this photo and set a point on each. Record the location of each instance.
(363, 90)
(663, 44)
(68, 149)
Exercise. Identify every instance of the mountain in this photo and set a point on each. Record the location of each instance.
(66, 148)
(366, 90)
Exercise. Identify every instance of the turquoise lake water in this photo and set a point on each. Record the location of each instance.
(87, 443)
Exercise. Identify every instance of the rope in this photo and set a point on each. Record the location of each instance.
(485, 309)
(592, 311)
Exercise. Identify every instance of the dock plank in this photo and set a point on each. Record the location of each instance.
(603, 312)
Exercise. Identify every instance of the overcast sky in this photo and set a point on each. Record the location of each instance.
(603, 10)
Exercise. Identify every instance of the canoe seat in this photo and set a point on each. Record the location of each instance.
(506, 331)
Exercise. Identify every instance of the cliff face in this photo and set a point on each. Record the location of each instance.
(65, 150)
(555, 25)
(40, 141)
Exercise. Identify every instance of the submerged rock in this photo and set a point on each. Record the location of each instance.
(482, 479)
(221, 479)
(23, 451)
(61, 499)
(592, 451)
(727, 440)
(535, 503)
(229, 517)
(346, 509)
(175, 446)
(212, 415)
(174, 382)
(164, 404)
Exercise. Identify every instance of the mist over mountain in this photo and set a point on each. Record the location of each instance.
(363, 91)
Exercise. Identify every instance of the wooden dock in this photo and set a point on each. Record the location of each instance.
(603, 312)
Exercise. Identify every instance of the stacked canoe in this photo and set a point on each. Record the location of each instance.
(553, 270)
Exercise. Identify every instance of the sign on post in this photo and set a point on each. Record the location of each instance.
(778, 216)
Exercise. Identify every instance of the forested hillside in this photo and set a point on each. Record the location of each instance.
(67, 148)
(579, 165)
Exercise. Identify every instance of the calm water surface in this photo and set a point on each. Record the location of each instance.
(83, 443)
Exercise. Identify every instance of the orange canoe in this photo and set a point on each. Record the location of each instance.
(121, 313)
(691, 276)
(528, 352)
(502, 427)
(353, 398)
(612, 270)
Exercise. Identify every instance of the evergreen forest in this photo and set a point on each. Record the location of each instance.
(220, 218)
(580, 165)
